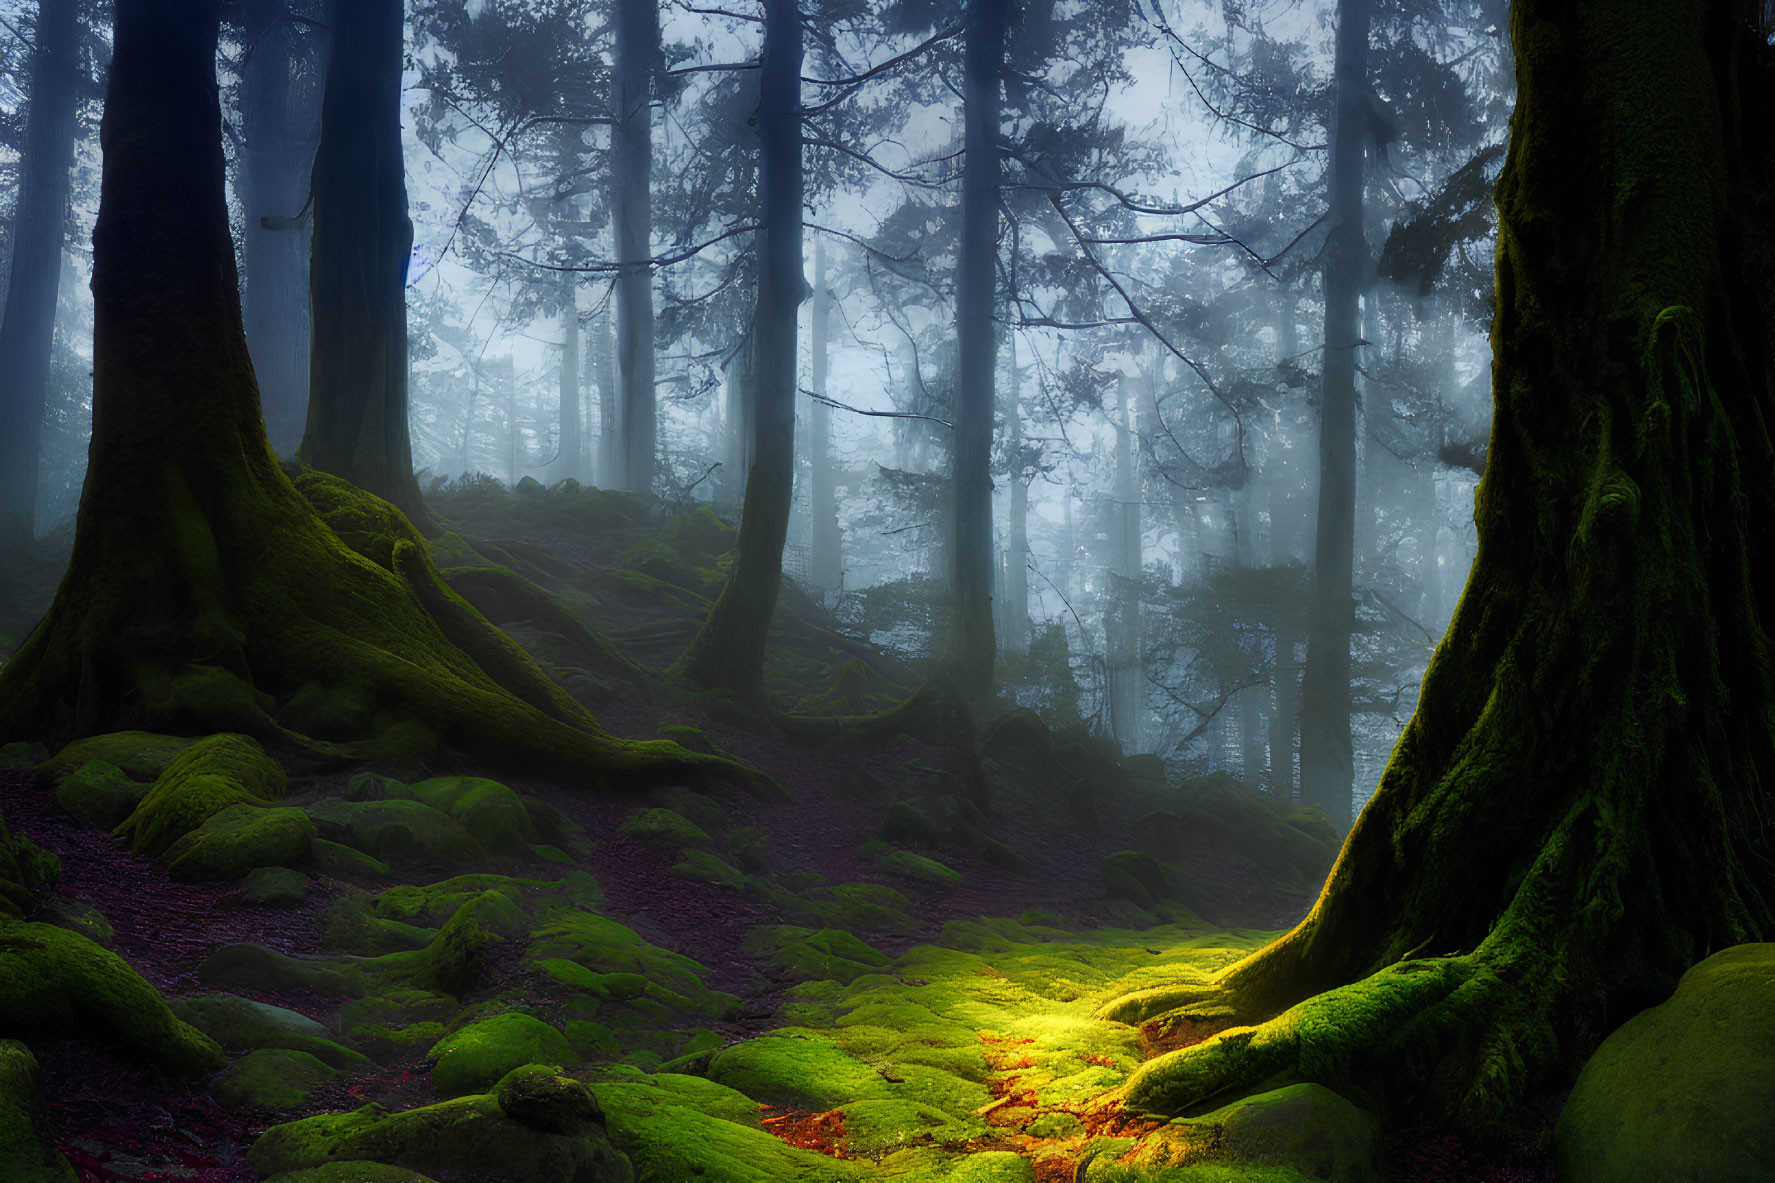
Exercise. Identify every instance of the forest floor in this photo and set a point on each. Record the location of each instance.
(894, 973)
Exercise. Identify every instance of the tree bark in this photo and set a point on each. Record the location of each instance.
(570, 447)
(363, 242)
(637, 60)
(27, 327)
(728, 652)
(1015, 589)
(970, 568)
(1326, 758)
(1578, 810)
(1127, 674)
(280, 120)
(608, 473)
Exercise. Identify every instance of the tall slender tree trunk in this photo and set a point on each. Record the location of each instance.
(728, 652)
(27, 327)
(1127, 674)
(637, 60)
(280, 120)
(608, 473)
(1015, 588)
(1326, 757)
(1579, 809)
(826, 562)
(566, 466)
(740, 422)
(977, 347)
(363, 242)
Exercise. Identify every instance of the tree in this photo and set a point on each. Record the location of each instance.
(206, 590)
(637, 63)
(363, 241)
(1577, 811)
(728, 651)
(976, 342)
(27, 326)
(280, 123)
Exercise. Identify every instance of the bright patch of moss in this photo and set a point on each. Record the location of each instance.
(141, 755)
(398, 828)
(56, 984)
(488, 810)
(351, 1172)
(277, 886)
(202, 780)
(239, 839)
(916, 866)
(664, 825)
(100, 793)
(333, 858)
(473, 1059)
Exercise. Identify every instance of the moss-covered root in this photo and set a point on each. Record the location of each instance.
(501, 594)
(56, 984)
(936, 710)
(26, 1155)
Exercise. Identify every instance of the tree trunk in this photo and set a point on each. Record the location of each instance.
(1015, 589)
(1326, 759)
(280, 120)
(567, 456)
(1578, 810)
(363, 241)
(728, 652)
(826, 562)
(637, 59)
(205, 591)
(27, 327)
(608, 474)
(977, 348)
(739, 423)
(1127, 674)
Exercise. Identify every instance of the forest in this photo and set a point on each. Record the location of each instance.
(1008, 591)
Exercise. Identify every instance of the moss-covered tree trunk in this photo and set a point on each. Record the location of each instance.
(206, 591)
(728, 652)
(27, 327)
(362, 245)
(1580, 809)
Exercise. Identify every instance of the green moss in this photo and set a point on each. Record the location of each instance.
(704, 867)
(333, 858)
(607, 947)
(353, 927)
(801, 954)
(398, 828)
(488, 810)
(664, 825)
(1136, 877)
(469, 1137)
(1683, 1090)
(26, 1153)
(1302, 1128)
(205, 778)
(76, 915)
(236, 1023)
(100, 793)
(916, 866)
(239, 839)
(351, 1172)
(551, 854)
(275, 886)
(270, 1079)
(543, 1099)
(56, 984)
(455, 962)
(474, 1058)
(258, 968)
(140, 755)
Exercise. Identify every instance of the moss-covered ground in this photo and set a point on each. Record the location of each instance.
(410, 971)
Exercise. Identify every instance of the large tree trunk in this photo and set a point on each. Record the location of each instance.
(826, 560)
(27, 328)
(608, 473)
(1578, 811)
(207, 592)
(1326, 759)
(280, 119)
(976, 335)
(363, 241)
(728, 652)
(637, 60)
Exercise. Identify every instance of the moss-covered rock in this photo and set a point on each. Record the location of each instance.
(141, 755)
(546, 1100)
(26, 1153)
(56, 984)
(1684, 1090)
(20, 754)
(100, 793)
(474, 1058)
(256, 967)
(351, 1172)
(270, 1079)
(916, 866)
(238, 1023)
(341, 861)
(239, 839)
(456, 960)
(802, 954)
(1304, 1128)
(664, 825)
(466, 1138)
(1134, 876)
(77, 915)
(488, 810)
(201, 781)
(398, 828)
(274, 886)
(352, 926)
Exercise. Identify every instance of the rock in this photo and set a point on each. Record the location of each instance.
(270, 1079)
(141, 755)
(351, 1172)
(1684, 1090)
(236, 1022)
(259, 968)
(473, 1059)
(664, 825)
(1136, 877)
(1306, 1127)
(916, 866)
(485, 808)
(77, 915)
(275, 886)
(100, 793)
(203, 780)
(239, 839)
(332, 858)
(548, 1101)
(26, 1153)
(56, 984)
